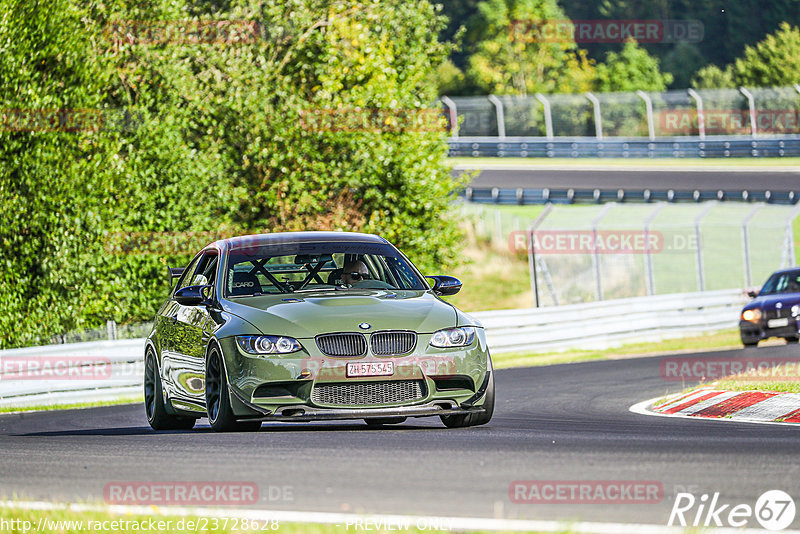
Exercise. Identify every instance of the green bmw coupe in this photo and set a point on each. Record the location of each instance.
(312, 326)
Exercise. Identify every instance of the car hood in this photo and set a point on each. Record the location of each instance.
(768, 302)
(304, 315)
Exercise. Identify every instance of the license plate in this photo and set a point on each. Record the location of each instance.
(777, 323)
(370, 369)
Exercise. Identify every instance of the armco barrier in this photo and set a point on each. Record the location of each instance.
(589, 147)
(603, 324)
(57, 373)
(592, 325)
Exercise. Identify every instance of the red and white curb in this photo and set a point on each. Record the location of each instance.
(741, 406)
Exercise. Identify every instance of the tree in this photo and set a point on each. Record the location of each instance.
(713, 77)
(773, 62)
(633, 68)
(322, 119)
(522, 48)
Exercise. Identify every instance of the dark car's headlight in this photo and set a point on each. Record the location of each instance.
(752, 316)
(453, 337)
(268, 344)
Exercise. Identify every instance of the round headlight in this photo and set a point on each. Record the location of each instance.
(457, 336)
(264, 345)
(285, 345)
(439, 339)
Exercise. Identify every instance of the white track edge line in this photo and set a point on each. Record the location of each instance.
(467, 524)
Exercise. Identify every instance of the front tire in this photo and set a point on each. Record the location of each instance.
(474, 419)
(218, 399)
(154, 405)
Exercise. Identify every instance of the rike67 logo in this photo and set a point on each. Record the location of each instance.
(774, 510)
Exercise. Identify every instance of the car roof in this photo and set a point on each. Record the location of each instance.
(788, 270)
(297, 237)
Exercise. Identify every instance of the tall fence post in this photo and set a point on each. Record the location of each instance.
(751, 103)
(548, 115)
(789, 258)
(648, 103)
(532, 253)
(748, 277)
(452, 110)
(598, 118)
(598, 284)
(499, 113)
(648, 259)
(701, 277)
(701, 117)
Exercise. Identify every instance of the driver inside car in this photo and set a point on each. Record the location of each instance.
(354, 271)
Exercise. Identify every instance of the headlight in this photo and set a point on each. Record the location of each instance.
(268, 344)
(795, 310)
(453, 337)
(752, 316)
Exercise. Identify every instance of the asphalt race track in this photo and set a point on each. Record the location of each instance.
(633, 178)
(565, 422)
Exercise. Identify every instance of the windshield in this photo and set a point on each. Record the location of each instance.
(300, 267)
(782, 283)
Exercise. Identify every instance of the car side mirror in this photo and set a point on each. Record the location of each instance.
(752, 293)
(445, 285)
(193, 295)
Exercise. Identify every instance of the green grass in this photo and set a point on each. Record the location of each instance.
(493, 280)
(655, 162)
(796, 230)
(135, 399)
(78, 522)
(725, 339)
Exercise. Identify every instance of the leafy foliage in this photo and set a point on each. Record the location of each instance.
(224, 137)
(512, 57)
(631, 69)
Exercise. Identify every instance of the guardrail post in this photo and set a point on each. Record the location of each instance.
(532, 254)
(452, 110)
(598, 119)
(701, 117)
(598, 284)
(648, 258)
(111, 326)
(501, 119)
(746, 245)
(789, 258)
(548, 116)
(648, 103)
(751, 102)
(701, 277)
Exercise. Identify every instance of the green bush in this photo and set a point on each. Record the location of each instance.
(228, 136)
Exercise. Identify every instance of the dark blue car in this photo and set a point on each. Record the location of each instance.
(774, 311)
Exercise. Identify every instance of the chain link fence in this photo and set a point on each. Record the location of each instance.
(609, 251)
(714, 112)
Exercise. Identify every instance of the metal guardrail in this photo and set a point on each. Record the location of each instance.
(589, 147)
(593, 325)
(71, 373)
(599, 325)
(526, 196)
